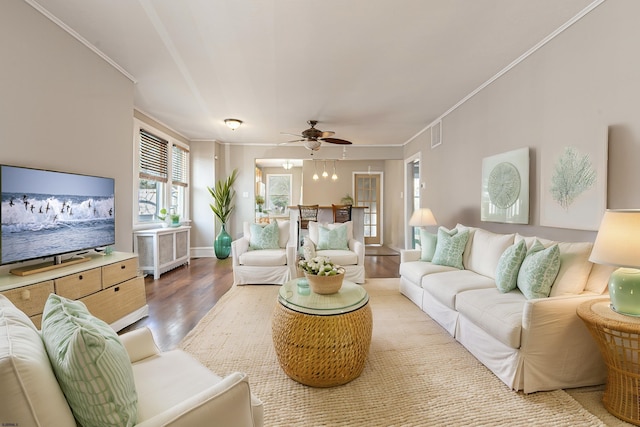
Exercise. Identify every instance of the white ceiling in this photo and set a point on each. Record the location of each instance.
(377, 72)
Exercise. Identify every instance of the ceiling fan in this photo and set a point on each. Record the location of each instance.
(313, 137)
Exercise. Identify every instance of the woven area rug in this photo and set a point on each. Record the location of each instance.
(416, 373)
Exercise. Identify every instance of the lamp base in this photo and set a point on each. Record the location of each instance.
(624, 290)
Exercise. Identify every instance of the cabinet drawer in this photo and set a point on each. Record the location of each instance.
(117, 301)
(119, 272)
(30, 299)
(79, 285)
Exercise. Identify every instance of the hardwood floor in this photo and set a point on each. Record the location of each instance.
(181, 297)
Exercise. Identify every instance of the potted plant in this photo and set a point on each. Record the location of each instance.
(324, 276)
(347, 200)
(259, 202)
(222, 207)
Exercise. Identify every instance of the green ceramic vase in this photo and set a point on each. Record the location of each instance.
(222, 245)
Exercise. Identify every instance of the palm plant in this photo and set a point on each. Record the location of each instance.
(223, 194)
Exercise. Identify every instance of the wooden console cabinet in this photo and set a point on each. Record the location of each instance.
(109, 285)
(162, 249)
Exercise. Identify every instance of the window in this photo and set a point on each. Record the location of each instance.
(163, 175)
(278, 192)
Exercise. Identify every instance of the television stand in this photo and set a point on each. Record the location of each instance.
(46, 266)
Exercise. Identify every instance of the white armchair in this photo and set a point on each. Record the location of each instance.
(253, 266)
(350, 257)
(172, 387)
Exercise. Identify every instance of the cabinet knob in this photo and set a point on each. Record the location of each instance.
(116, 289)
(123, 267)
(80, 277)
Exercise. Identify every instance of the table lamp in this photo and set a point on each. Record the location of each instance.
(422, 218)
(618, 244)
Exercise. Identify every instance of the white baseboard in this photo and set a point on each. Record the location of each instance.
(203, 252)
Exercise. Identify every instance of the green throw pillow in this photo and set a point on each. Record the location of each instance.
(449, 247)
(428, 244)
(264, 237)
(509, 266)
(91, 364)
(539, 270)
(333, 238)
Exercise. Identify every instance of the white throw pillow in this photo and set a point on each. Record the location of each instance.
(574, 268)
(486, 249)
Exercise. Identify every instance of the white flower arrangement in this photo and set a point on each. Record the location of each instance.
(320, 266)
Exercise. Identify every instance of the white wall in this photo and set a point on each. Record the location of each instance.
(569, 92)
(64, 108)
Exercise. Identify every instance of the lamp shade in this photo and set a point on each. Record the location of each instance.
(618, 239)
(422, 217)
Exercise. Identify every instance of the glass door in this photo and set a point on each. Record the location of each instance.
(368, 194)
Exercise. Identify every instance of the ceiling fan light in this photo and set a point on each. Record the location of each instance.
(233, 124)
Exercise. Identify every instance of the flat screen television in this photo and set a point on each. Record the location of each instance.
(48, 214)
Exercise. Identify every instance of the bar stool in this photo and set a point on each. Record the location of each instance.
(341, 213)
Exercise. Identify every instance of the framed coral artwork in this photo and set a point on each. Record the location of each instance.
(505, 187)
(573, 191)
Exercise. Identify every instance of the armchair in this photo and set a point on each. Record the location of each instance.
(172, 387)
(351, 256)
(253, 265)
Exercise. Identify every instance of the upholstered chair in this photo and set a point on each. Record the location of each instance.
(336, 242)
(265, 254)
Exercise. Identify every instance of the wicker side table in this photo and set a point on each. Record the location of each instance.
(618, 338)
(322, 340)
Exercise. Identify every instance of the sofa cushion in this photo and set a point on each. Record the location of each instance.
(264, 257)
(574, 268)
(446, 285)
(340, 257)
(91, 364)
(538, 271)
(283, 233)
(509, 266)
(314, 233)
(427, 245)
(449, 247)
(332, 238)
(599, 278)
(486, 249)
(31, 395)
(500, 315)
(414, 271)
(264, 236)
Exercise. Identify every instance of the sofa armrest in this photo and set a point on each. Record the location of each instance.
(407, 255)
(238, 247)
(555, 337)
(227, 403)
(139, 344)
(358, 247)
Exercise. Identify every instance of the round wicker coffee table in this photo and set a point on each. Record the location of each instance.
(322, 340)
(618, 338)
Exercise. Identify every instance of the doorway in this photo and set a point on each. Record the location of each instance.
(367, 193)
(412, 199)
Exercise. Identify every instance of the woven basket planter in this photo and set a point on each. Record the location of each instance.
(325, 285)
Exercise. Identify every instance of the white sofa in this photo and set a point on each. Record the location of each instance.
(264, 266)
(172, 387)
(351, 257)
(530, 344)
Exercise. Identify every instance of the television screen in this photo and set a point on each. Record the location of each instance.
(46, 213)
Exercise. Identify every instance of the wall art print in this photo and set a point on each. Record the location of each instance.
(574, 187)
(505, 187)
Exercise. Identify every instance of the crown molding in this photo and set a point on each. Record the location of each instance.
(75, 35)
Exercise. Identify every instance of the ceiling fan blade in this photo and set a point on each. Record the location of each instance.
(292, 134)
(337, 141)
(327, 133)
(289, 142)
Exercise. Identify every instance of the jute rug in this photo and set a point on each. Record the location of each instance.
(416, 373)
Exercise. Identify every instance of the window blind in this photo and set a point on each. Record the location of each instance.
(153, 157)
(180, 160)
